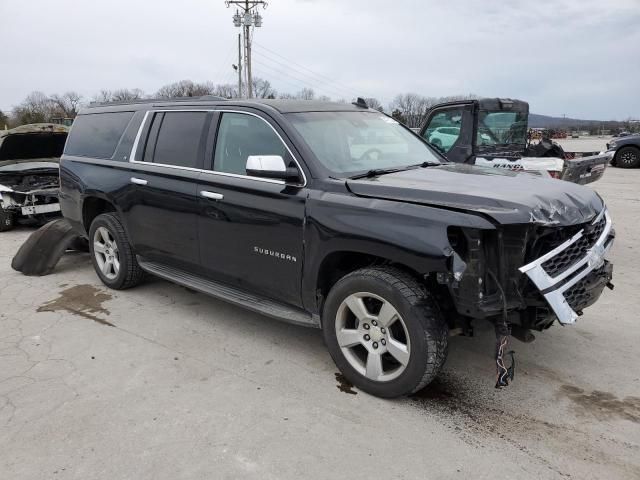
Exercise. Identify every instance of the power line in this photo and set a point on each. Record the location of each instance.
(327, 79)
(298, 86)
(304, 82)
(222, 72)
(334, 88)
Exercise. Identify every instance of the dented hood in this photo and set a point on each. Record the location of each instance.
(507, 197)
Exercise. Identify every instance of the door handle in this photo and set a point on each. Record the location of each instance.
(138, 181)
(211, 195)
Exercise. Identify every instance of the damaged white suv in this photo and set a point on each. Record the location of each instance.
(29, 173)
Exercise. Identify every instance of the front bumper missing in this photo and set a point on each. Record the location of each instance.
(553, 288)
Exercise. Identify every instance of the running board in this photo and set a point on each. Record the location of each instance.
(231, 294)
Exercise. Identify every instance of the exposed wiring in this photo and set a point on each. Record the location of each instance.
(503, 331)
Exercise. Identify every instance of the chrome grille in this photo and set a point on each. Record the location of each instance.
(566, 288)
(579, 295)
(563, 260)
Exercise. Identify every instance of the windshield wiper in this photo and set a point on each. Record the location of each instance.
(427, 164)
(375, 172)
(382, 171)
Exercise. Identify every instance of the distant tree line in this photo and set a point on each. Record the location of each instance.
(408, 108)
(37, 107)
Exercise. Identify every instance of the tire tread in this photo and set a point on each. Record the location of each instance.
(435, 329)
(133, 273)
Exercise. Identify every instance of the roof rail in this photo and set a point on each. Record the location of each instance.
(158, 100)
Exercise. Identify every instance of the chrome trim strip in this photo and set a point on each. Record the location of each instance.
(593, 259)
(552, 253)
(134, 148)
(599, 216)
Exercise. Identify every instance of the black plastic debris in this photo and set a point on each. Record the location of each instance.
(43, 249)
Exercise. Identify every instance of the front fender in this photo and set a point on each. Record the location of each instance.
(404, 233)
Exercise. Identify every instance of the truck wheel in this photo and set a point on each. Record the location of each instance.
(384, 331)
(111, 253)
(628, 157)
(7, 220)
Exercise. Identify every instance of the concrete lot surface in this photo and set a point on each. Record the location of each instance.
(584, 144)
(161, 383)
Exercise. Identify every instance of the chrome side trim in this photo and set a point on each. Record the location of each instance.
(134, 147)
(593, 260)
(136, 142)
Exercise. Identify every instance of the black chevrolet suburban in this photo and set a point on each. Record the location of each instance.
(333, 216)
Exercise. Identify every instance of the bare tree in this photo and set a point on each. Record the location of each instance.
(263, 89)
(374, 103)
(185, 88)
(226, 91)
(65, 105)
(120, 95)
(127, 95)
(36, 108)
(306, 94)
(4, 120)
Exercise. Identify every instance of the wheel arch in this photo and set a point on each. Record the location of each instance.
(94, 205)
(337, 264)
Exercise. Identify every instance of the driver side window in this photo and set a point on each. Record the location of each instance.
(241, 135)
(443, 129)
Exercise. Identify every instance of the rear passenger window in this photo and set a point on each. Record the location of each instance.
(241, 135)
(97, 135)
(179, 137)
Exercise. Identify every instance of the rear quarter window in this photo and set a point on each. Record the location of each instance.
(97, 135)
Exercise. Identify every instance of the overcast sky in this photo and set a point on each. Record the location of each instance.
(580, 58)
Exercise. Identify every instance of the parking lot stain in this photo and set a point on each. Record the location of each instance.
(345, 385)
(603, 405)
(476, 414)
(83, 300)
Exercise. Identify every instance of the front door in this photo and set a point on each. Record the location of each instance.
(251, 229)
(163, 217)
(450, 130)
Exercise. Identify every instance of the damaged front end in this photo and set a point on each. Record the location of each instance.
(525, 277)
(536, 273)
(29, 173)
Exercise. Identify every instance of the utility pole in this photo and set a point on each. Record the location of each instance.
(249, 17)
(239, 67)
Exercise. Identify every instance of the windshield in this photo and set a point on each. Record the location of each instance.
(502, 128)
(352, 142)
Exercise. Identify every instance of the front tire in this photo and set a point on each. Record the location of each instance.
(628, 157)
(384, 331)
(111, 253)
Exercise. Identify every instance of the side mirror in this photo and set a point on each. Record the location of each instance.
(271, 166)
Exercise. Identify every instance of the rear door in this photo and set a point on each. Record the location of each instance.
(450, 129)
(163, 217)
(251, 229)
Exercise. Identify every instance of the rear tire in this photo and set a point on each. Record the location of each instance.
(111, 253)
(387, 362)
(628, 157)
(7, 220)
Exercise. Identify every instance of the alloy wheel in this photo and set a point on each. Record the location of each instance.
(106, 253)
(372, 336)
(629, 158)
